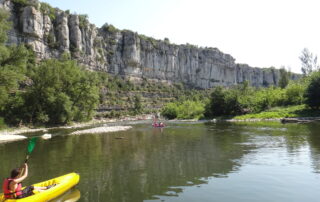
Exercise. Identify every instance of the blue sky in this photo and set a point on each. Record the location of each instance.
(261, 33)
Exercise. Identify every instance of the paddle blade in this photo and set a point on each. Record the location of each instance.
(32, 144)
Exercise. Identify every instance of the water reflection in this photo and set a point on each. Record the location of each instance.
(149, 163)
(143, 165)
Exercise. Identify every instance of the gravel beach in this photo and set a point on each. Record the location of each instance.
(103, 129)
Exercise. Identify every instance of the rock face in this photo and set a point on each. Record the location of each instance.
(125, 53)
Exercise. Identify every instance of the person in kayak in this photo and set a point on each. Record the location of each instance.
(12, 187)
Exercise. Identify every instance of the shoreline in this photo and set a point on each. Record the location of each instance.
(102, 129)
(14, 134)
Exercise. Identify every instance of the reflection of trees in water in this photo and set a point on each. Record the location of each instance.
(314, 142)
(294, 137)
(301, 136)
(143, 164)
(147, 163)
(12, 154)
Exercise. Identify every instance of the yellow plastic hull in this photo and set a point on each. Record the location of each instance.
(64, 183)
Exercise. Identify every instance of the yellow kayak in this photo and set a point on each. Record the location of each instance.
(63, 184)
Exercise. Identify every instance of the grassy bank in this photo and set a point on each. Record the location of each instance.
(282, 112)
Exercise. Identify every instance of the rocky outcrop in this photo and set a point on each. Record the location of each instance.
(125, 53)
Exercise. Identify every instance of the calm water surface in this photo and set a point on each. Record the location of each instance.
(189, 162)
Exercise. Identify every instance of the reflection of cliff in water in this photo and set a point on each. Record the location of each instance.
(146, 164)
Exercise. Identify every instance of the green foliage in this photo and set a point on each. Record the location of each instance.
(4, 25)
(170, 110)
(62, 92)
(184, 110)
(83, 21)
(282, 112)
(312, 94)
(266, 98)
(2, 123)
(223, 102)
(19, 4)
(46, 9)
(294, 93)
(153, 41)
(246, 99)
(284, 78)
(14, 62)
(137, 104)
(22, 3)
(110, 28)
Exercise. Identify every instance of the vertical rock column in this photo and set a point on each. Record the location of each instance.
(32, 28)
(62, 31)
(75, 35)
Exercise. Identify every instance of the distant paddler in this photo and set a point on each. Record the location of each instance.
(156, 122)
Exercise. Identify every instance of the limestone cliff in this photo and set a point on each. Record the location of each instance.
(51, 32)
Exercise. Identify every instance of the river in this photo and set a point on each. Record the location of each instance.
(185, 161)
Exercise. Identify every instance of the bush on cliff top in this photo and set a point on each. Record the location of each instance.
(46, 9)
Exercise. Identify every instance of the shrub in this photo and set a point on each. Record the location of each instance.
(223, 102)
(312, 94)
(83, 21)
(294, 93)
(110, 28)
(137, 104)
(46, 9)
(2, 123)
(62, 92)
(183, 110)
(170, 111)
(190, 110)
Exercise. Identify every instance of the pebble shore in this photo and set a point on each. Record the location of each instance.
(103, 129)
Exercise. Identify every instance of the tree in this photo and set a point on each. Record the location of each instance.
(312, 94)
(294, 92)
(223, 102)
(215, 106)
(61, 92)
(284, 78)
(14, 61)
(308, 61)
(170, 111)
(137, 104)
(4, 25)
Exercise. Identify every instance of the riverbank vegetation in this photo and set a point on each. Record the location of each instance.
(59, 91)
(300, 98)
(52, 91)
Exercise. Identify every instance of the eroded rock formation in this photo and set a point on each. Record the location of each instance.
(125, 53)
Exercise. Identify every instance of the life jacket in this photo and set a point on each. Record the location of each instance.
(7, 192)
